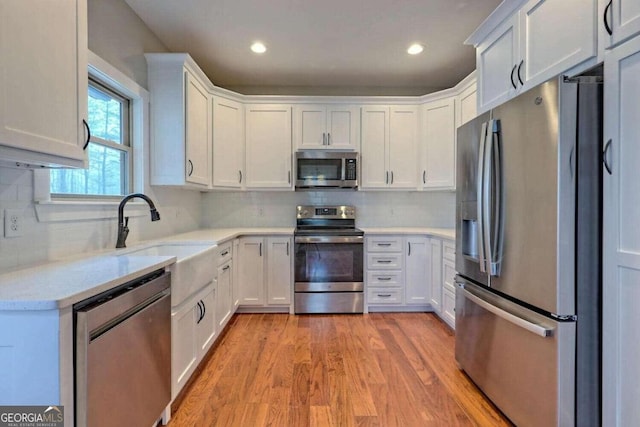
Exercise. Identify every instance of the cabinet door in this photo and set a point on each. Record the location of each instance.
(342, 127)
(311, 127)
(436, 274)
(197, 132)
(497, 62)
(228, 143)
(184, 347)
(375, 137)
(224, 303)
(206, 323)
(268, 146)
(439, 145)
(279, 270)
(550, 45)
(43, 76)
(625, 19)
(403, 146)
(621, 237)
(417, 267)
(467, 106)
(251, 271)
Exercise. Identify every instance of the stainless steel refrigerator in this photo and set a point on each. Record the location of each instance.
(528, 246)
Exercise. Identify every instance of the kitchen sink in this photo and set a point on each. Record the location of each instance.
(194, 267)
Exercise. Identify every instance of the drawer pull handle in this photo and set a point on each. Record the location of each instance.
(226, 268)
(225, 253)
(384, 295)
(384, 244)
(384, 261)
(384, 279)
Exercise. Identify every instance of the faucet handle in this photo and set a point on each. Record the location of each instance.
(126, 222)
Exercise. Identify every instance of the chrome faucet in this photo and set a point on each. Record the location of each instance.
(123, 229)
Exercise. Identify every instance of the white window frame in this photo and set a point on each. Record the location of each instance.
(66, 208)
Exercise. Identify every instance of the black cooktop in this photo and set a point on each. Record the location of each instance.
(328, 231)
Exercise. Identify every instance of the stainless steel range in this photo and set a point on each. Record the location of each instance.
(328, 260)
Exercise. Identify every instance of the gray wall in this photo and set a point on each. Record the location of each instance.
(119, 36)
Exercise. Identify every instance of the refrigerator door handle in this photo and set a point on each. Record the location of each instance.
(494, 212)
(480, 189)
(509, 317)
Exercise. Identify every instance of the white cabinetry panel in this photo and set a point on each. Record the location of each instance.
(228, 143)
(43, 76)
(439, 151)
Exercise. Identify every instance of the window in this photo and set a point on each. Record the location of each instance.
(109, 150)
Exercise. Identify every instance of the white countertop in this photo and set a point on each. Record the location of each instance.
(60, 284)
(444, 233)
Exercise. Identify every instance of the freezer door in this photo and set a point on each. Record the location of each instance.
(468, 242)
(524, 362)
(536, 163)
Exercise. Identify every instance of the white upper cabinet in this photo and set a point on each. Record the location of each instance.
(43, 79)
(497, 63)
(197, 132)
(621, 20)
(389, 146)
(439, 145)
(328, 127)
(534, 44)
(467, 105)
(555, 35)
(228, 143)
(268, 146)
(181, 122)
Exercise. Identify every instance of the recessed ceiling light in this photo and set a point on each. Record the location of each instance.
(415, 49)
(258, 47)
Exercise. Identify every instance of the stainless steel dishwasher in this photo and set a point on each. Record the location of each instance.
(123, 354)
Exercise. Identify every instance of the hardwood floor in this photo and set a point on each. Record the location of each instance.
(392, 369)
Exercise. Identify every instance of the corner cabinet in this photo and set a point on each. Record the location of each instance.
(417, 270)
(181, 134)
(268, 147)
(326, 127)
(389, 147)
(523, 51)
(228, 143)
(439, 145)
(43, 79)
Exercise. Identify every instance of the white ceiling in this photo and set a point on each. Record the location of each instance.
(352, 46)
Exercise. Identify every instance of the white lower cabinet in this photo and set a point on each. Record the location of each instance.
(192, 333)
(436, 275)
(224, 300)
(410, 273)
(264, 271)
(448, 283)
(417, 270)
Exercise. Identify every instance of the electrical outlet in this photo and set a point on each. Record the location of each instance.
(12, 223)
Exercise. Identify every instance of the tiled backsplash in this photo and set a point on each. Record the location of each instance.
(374, 209)
(44, 241)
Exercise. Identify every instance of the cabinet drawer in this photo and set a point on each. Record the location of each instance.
(449, 250)
(384, 296)
(384, 278)
(384, 244)
(449, 306)
(382, 261)
(225, 252)
(448, 274)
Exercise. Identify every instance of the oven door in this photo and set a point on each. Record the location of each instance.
(334, 261)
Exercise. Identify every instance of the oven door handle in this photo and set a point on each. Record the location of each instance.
(329, 239)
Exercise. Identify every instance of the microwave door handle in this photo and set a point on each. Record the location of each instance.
(480, 197)
(343, 169)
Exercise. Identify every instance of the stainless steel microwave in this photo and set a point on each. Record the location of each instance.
(326, 169)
